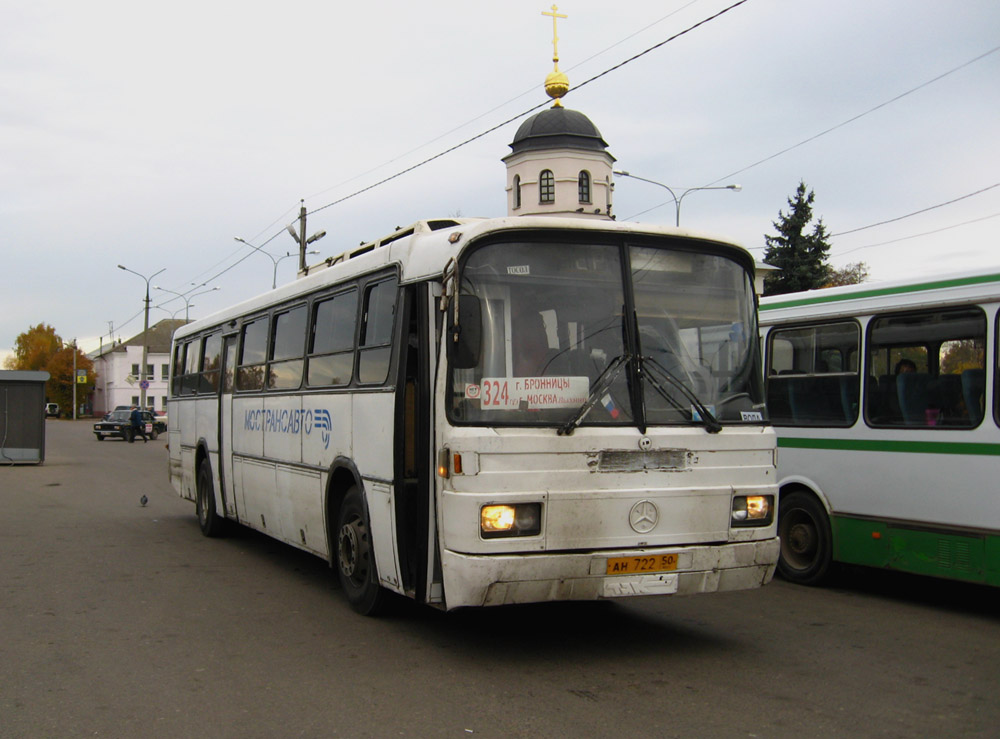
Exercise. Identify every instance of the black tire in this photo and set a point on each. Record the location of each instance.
(100, 437)
(210, 522)
(806, 540)
(355, 556)
(152, 435)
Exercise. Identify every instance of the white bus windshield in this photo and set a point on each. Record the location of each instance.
(565, 333)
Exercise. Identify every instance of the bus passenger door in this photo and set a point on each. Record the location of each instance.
(226, 426)
(412, 449)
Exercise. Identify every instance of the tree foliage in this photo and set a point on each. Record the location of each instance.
(800, 256)
(40, 348)
(851, 274)
(34, 348)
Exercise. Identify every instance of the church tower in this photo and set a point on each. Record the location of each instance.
(559, 164)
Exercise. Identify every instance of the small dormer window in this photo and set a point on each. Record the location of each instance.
(583, 184)
(546, 187)
(517, 191)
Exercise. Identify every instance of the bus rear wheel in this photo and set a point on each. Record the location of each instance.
(806, 540)
(356, 556)
(208, 519)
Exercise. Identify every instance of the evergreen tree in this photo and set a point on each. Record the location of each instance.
(800, 256)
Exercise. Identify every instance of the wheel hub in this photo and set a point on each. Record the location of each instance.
(349, 549)
(800, 538)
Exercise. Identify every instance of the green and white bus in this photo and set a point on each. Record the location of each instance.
(885, 401)
(481, 412)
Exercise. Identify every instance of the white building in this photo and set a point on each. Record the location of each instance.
(118, 370)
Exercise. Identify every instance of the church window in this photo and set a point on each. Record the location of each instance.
(517, 191)
(584, 186)
(546, 187)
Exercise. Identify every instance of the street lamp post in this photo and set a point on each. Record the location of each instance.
(145, 336)
(274, 259)
(185, 298)
(677, 200)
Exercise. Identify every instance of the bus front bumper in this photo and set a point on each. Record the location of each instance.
(478, 580)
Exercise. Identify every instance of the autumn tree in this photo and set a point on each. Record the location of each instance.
(851, 274)
(41, 349)
(59, 388)
(800, 256)
(34, 348)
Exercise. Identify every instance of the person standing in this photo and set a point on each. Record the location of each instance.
(138, 425)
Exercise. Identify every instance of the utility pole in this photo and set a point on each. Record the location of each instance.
(74, 379)
(299, 237)
(302, 235)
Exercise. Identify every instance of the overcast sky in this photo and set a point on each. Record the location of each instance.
(150, 135)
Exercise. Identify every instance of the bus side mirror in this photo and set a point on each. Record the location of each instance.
(465, 338)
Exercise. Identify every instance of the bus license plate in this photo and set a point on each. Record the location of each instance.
(634, 565)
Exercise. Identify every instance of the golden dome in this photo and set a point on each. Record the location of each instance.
(556, 85)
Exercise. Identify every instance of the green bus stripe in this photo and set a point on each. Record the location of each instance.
(892, 445)
(877, 292)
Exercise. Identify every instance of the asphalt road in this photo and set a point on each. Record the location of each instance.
(118, 619)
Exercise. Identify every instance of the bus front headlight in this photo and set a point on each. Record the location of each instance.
(752, 510)
(518, 519)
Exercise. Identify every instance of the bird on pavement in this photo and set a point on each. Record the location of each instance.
(143, 500)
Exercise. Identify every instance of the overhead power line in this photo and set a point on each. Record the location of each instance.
(916, 212)
(857, 117)
(914, 236)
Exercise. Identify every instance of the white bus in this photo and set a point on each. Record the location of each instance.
(886, 404)
(482, 412)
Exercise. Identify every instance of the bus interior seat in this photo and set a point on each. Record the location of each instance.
(912, 393)
(885, 402)
(973, 392)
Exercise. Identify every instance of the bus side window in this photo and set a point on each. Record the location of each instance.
(285, 369)
(331, 340)
(375, 349)
(253, 351)
(210, 363)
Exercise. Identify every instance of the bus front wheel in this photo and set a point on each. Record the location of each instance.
(356, 556)
(806, 540)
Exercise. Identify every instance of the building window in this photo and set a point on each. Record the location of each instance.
(517, 191)
(546, 187)
(583, 184)
(164, 372)
(135, 370)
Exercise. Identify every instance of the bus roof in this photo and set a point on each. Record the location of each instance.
(422, 251)
(980, 284)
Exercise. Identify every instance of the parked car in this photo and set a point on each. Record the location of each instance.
(52, 410)
(118, 423)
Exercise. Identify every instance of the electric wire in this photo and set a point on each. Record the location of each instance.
(490, 130)
(858, 116)
(494, 109)
(914, 236)
(916, 212)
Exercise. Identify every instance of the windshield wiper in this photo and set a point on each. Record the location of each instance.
(601, 385)
(709, 420)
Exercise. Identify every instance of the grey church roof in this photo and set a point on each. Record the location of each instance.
(558, 128)
(160, 336)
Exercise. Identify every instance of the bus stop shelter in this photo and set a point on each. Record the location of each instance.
(22, 417)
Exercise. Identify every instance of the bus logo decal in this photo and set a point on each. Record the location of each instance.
(290, 422)
(322, 421)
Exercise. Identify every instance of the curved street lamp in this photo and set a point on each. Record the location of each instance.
(677, 200)
(274, 259)
(143, 379)
(185, 298)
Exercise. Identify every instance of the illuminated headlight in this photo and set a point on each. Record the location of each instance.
(753, 510)
(520, 519)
